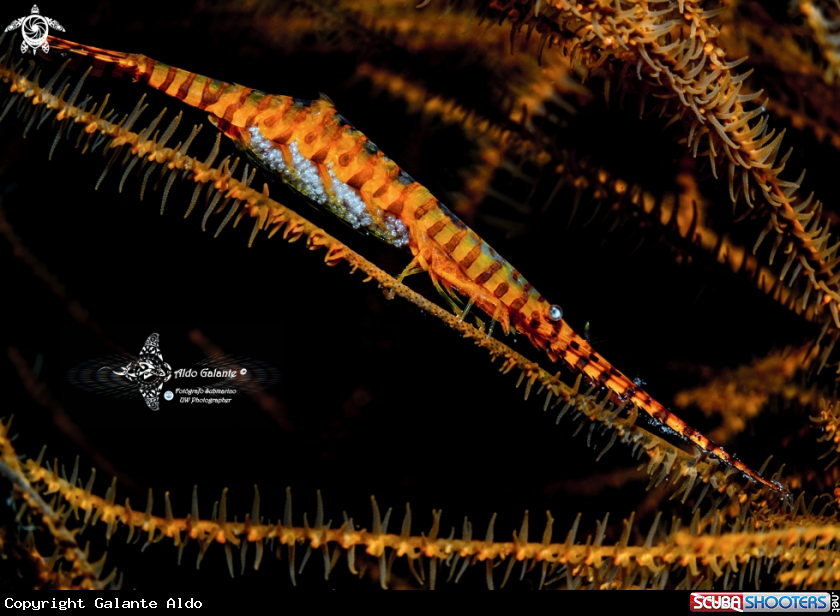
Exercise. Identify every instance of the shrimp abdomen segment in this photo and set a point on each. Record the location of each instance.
(466, 262)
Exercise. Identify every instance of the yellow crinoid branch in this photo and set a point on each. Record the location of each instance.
(690, 554)
(829, 422)
(738, 396)
(827, 36)
(81, 574)
(673, 49)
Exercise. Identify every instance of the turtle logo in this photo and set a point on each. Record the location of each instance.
(35, 29)
(149, 371)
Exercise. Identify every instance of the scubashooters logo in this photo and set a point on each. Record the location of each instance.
(127, 375)
(776, 602)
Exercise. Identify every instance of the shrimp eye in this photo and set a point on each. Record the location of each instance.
(555, 313)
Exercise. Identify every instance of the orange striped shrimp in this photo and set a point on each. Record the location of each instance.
(316, 151)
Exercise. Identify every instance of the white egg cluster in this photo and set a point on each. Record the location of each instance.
(397, 229)
(308, 174)
(358, 214)
(304, 176)
(272, 156)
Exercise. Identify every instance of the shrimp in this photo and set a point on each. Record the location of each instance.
(319, 154)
